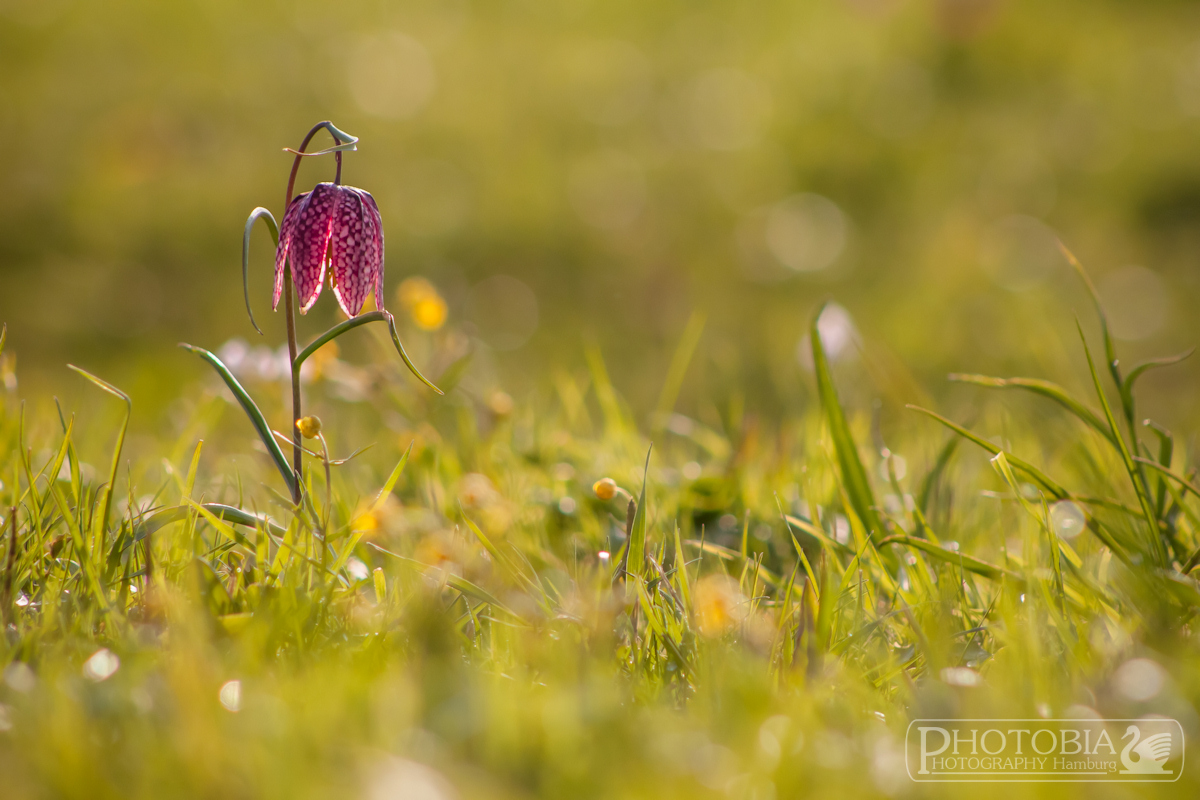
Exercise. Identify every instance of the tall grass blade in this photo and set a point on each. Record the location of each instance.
(102, 520)
(636, 549)
(390, 483)
(1046, 389)
(1033, 472)
(678, 369)
(1139, 486)
(1110, 353)
(854, 477)
(1127, 398)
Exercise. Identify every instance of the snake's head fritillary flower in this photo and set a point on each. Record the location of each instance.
(335, 229)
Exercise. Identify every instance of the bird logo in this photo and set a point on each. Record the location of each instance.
(1152, 752)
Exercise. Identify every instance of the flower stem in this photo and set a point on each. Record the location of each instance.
(328, 502)
(297, 454)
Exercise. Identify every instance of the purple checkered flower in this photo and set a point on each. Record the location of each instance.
(335, 228)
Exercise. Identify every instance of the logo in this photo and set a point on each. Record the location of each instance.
(1040, 750)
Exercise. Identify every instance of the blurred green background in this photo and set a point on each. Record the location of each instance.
(598, 171)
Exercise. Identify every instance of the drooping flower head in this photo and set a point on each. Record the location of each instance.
(335, 229)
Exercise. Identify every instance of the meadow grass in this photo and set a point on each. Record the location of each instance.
(741, 612)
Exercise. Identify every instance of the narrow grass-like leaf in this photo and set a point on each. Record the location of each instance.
(1051, 391)
(678, 369)
(1127, 398)
(390, 483)
(116, 459)
(930, 481)
(354, 322)
(681, 570)
(734, 557)
(636, 550)
(1110, 353)
(614, 417)
(166, 516)
(1156, 544)
(255, 216)
(854, 477)
(1033, 472)
(256, 417)
(1166, 451)
(461, 584)
(969, 563)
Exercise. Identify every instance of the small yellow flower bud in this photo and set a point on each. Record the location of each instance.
(605, 488)
(309, 427)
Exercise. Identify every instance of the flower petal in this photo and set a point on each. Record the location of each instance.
(376, 260)
(351, 252)
(286, 230)
(309, 246)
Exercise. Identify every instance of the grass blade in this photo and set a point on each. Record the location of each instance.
(1156, 545)
(854, 477)
(390, 484)
(1033, 472)
(635, 558)
(102, 520)
(1051, 391)
(678, 369)
(1110, 353)
(1139, 371)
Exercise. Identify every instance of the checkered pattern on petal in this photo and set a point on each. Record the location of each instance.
(285, 238)
(309, 246)
(375, 259)
(348, 244)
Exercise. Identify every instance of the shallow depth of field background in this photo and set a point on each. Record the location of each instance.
(595, 172)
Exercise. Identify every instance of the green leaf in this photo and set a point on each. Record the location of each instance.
(165, 516)
(1142, 369)
(678, 369)
(256, 417)
(1156, 545)
(635, 558)
(461, 584)
(390, 484)
(1033, 472)
(255, 215)
(102, 521)
(1046, 389)
(352, 323)
(969, 563)
(854, 477)
(1109, 351)
(930, 482)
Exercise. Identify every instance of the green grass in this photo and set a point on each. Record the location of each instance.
(462, 618)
